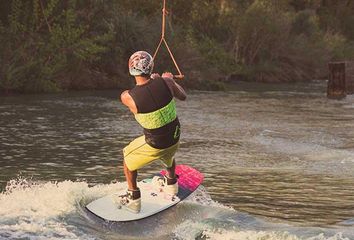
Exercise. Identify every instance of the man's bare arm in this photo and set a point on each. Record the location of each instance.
(176, 90)
(128, 101)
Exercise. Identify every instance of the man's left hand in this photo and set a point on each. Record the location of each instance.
(154, 75)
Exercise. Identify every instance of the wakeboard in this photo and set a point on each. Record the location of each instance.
(153, 200)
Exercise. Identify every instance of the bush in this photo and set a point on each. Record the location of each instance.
(54, 45)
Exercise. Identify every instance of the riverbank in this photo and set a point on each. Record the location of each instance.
(79, 45)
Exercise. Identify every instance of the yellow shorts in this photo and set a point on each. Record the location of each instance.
(138, 154)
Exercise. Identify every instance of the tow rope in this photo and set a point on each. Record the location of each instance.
(163, 40)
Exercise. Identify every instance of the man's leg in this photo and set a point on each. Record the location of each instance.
(134, 156)
(132, 199)
(131, 177)
(169, 182)
(171, 170)
(170, 163)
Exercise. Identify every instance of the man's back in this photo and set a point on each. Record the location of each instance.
(156, 113)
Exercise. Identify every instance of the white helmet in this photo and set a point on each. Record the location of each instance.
(140, 63)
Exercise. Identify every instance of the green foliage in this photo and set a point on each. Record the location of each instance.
(341, 49)
(275, 44)
(216, 55)
(305, 22)
(53, 45)
(47, 49)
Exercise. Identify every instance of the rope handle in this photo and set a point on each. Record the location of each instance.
(164, 13)
(180, 76)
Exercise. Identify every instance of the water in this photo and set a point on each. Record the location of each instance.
(278, 162)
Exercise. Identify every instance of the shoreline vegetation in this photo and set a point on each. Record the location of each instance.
(53, 45)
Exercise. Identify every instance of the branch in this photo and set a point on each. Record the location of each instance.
(45, 18)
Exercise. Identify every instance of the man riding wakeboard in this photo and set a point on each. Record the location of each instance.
(154, 108)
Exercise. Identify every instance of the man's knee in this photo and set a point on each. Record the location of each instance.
(128, 166)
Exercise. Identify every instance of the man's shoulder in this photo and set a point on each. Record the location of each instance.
(125, 96)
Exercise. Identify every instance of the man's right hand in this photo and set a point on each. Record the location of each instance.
(167, 75)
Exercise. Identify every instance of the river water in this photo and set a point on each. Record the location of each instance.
(278, 162)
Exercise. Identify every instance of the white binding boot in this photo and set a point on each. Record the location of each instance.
(131, 200)
(166, 184)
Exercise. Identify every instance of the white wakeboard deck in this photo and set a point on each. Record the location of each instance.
(152, 200)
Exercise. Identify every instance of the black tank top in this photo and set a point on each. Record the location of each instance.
(156, 113)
